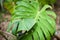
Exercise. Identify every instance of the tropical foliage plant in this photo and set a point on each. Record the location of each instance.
(43, 2)
(28, 18)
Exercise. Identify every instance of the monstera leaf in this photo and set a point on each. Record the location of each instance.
(27, 16)
(44, 27)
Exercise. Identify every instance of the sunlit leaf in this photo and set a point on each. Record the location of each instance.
(37, 22)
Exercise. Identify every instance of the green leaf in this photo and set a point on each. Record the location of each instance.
(15, 27)
(39, 32)
(25, 12)
(37, 22)
(9, 26)
(45, 31)
(48, 18)
(35, 35)
(26, 9)
(26, 24)
(51, 13)
(44, 2)
(44, 27)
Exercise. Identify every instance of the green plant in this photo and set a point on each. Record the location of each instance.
(37, 23)
(43, 2)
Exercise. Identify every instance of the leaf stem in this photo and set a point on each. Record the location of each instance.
(37, 16)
